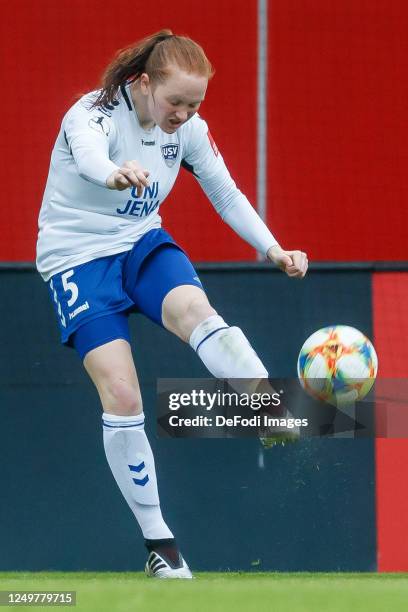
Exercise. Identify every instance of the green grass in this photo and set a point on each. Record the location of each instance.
(220, 592)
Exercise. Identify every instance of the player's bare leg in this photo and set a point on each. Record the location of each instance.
(113, 372)
(129, 455)
(184, 308)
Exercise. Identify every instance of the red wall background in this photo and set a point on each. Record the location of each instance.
(338, 129)
(390, 307)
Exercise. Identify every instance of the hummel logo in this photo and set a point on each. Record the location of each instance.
(138, 468)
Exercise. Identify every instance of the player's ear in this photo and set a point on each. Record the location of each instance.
(144, 83)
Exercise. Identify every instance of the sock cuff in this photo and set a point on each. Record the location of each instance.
(205, 329)
(114, 421)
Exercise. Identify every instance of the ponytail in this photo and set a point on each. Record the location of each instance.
(152, 55)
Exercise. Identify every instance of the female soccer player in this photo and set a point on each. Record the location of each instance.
(103, 253)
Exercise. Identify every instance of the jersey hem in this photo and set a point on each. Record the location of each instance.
(71, 263)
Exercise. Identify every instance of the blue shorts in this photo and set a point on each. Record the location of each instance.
(93, 300)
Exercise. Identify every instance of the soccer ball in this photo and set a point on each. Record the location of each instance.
(337, 365)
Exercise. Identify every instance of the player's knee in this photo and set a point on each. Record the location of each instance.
(197, 310)
(185, 308)
(122, 398)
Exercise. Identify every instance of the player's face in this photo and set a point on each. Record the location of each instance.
(177, 99)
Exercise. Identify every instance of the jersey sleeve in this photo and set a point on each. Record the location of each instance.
(89, 135)
(202, 158)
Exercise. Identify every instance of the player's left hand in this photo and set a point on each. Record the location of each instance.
(294, 263)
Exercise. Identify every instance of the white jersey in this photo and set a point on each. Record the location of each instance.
(82, 219)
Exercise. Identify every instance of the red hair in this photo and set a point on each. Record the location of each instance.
(152, 55)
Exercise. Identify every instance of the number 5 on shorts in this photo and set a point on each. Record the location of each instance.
(70, 286)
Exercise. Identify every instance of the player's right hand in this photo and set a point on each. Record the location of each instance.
(128, 175)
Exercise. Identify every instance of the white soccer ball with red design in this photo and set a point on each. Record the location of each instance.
(337, 365)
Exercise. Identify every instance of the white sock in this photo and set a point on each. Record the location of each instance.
(225, 351)
(131, 460)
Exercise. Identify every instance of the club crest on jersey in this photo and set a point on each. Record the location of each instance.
(170, 152)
